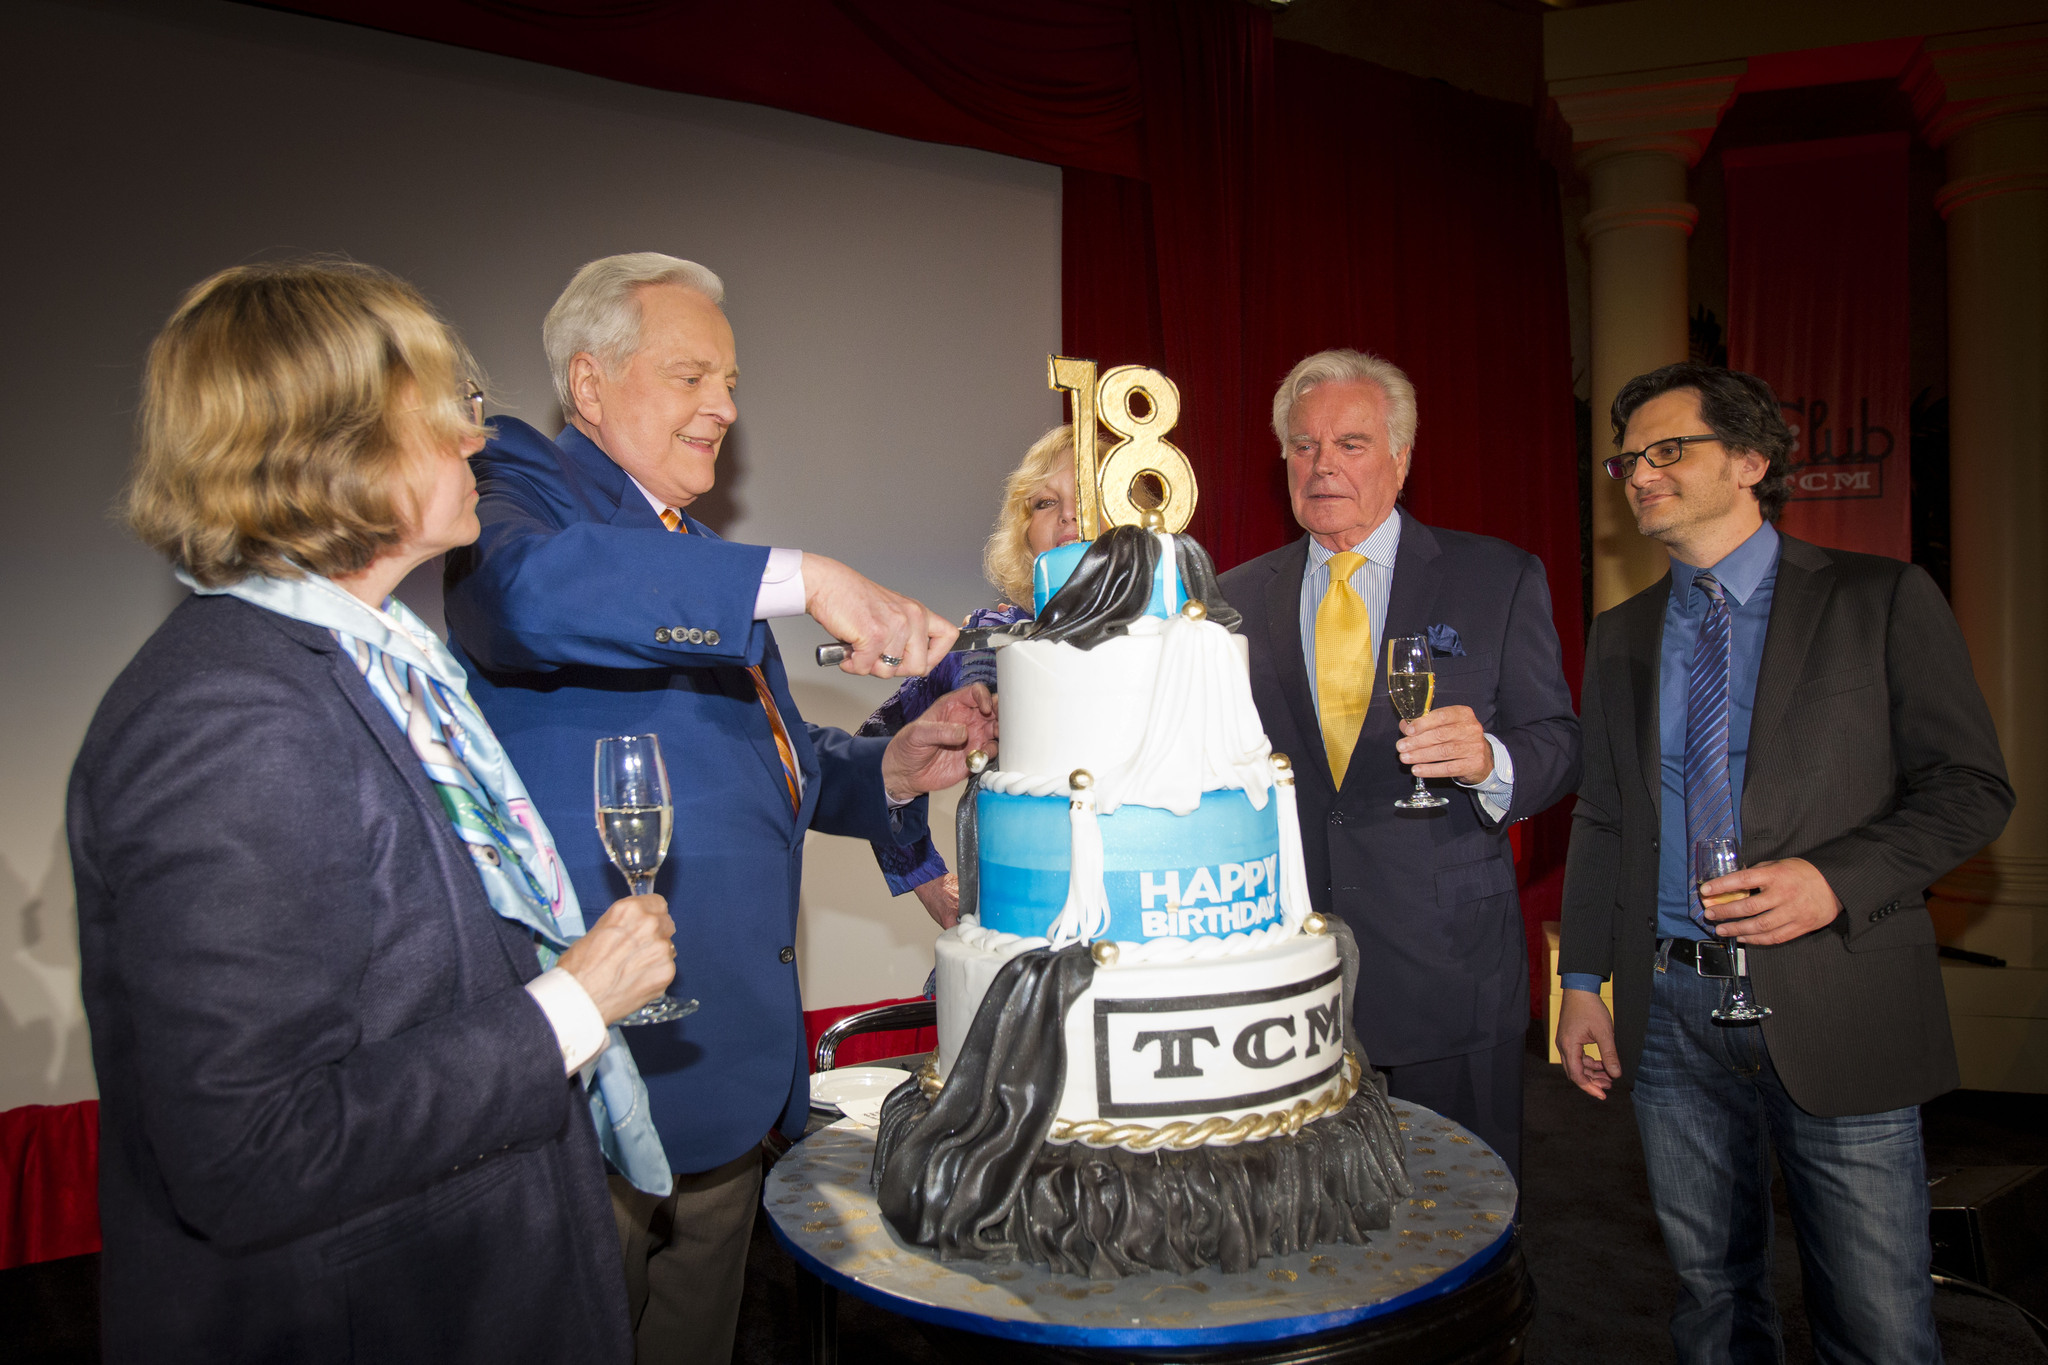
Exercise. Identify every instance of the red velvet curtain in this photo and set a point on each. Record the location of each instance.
(49, 1183)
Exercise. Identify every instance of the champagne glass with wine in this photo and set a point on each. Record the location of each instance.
(634, 819)
(1712, 858)
(1411, 687)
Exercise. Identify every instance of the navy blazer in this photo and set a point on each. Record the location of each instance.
(1429, 894)
(575, 613)
(334, 1127)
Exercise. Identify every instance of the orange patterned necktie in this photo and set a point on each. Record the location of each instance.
(674, 521)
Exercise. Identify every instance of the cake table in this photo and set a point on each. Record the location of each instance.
(1446, 1283)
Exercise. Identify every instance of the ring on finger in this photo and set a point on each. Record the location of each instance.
(891, 660)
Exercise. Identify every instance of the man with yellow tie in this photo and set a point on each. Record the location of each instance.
(1443, 991)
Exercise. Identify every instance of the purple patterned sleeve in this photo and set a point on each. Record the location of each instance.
(909, 865)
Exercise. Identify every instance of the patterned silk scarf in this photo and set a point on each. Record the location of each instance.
(426, 693)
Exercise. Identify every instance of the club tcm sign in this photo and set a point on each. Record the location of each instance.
(1836, 461)
(1818, 306)
(1165, 1056)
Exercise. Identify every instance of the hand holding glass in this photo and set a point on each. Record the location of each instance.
(1712, 858)
(1411, 687)
(634, 817)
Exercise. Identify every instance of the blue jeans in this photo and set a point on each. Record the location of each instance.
(1711, 1110)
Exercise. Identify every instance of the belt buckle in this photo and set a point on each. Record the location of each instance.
(1719, 961)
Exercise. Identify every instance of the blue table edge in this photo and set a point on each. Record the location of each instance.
(1063, 1334)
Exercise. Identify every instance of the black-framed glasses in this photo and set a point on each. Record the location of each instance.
(1657, 453)
(471, 402)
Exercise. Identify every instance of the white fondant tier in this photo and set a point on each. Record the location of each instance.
(1155, 1042)
(1157, 717)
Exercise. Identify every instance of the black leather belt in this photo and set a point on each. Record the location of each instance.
(1709, 957)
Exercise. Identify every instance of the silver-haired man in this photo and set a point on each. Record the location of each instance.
(1443, 995)
(594, 604)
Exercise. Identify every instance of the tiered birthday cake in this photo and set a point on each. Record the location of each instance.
(1145, 1056)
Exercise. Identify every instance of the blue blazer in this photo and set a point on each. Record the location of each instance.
(333, 1127)
(580, 615)
(1430, 894)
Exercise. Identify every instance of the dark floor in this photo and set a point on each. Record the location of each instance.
(1604, 1289)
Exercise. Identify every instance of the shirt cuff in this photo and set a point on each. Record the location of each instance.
(1581, 981)
(1497, 792)
(782, 586)
(572, 1014)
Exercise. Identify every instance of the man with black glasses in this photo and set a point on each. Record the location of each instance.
(1816, 709)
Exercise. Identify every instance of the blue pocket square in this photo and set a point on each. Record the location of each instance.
(1443, 642)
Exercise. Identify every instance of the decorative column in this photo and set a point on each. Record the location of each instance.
(1634, 137)
(1983, 98)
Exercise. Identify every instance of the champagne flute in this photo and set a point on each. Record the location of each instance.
(1411, 687)
(1712, 858)
(634, 817)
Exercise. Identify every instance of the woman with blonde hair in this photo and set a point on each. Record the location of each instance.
(353, 1046)
(1037, 514)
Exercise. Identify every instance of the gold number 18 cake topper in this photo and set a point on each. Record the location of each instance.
(1103, 485)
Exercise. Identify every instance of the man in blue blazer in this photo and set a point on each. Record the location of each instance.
(594, 605)
(1443, 991)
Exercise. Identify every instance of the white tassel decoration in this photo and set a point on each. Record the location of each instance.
(1085, 917)
(1294, 904)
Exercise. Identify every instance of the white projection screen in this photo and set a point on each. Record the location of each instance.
(894, 303)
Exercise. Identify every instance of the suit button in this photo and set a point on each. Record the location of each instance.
(696, 636)
(1876, 915)
(1336, 817)
(661, 635)
(710, 637)
(787, 955)
(1653, 846)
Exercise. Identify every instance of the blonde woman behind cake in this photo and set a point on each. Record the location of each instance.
(1038, 514)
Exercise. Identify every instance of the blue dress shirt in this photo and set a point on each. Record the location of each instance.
(1748, 574)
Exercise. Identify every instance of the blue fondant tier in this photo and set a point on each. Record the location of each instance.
(1051, 570)
(1167, 876)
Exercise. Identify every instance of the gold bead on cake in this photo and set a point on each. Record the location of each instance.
(1105, 954)
(977, 762)
(1080, 780)
(1194, 610)
(1152, 519)
(1315, 924)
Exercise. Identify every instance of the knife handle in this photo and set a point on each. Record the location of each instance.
(834, 653)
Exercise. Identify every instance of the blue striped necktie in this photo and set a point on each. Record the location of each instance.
(1709, 800)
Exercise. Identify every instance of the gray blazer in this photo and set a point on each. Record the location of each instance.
(1871, 755)
(333, 1126)
(1430, 895)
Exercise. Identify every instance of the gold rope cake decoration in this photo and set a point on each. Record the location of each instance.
(1181, 1136)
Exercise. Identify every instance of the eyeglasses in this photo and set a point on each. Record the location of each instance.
(471, 403)
(1657, 453)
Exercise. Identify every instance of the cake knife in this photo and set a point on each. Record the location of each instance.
(980, 637)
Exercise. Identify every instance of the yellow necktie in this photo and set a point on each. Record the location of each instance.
(783, 749)
(1344, 662)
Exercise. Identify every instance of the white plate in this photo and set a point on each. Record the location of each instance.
(856, 1091)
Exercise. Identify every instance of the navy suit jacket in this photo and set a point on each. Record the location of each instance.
(333, 1126)
(555, 611)
(1430, 895)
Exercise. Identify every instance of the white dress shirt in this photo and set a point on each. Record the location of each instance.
(572, 1014)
